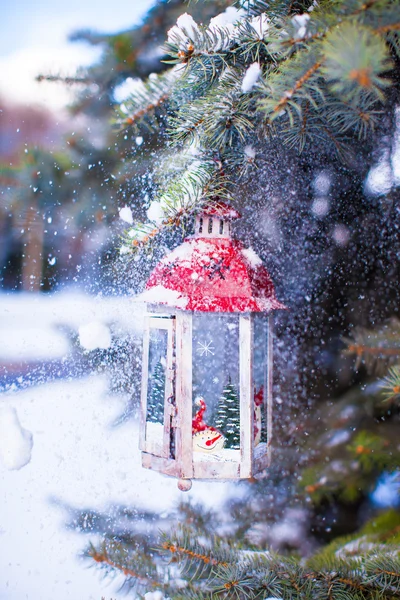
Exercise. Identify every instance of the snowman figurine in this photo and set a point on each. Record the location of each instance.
(205, 438)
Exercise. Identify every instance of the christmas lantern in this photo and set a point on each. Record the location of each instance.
(206, 402)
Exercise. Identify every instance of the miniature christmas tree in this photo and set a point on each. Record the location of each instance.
(155, 404)
(228, 416)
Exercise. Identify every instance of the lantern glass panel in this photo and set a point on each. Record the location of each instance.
(158, 347)
(216, 380)
(260, 378)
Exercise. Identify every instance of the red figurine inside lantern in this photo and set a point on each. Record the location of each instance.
(207, 357)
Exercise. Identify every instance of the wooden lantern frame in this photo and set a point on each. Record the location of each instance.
(174, 455)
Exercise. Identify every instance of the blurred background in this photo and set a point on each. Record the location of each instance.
(35, 124)
(70, 339)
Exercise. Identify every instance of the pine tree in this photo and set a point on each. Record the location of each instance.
(264, 430)
(155, 404)
(295, 73)
(227, 419)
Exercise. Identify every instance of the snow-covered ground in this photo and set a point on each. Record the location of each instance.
(78, 458)
(31, 325)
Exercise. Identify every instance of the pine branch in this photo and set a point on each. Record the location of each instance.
(148, 97)
(299, 85)
(139, 569)
(391, 385)
(259, 575)
(376, 348)
(176, 205)
(196, 561)
(212, 569)
(323, 80)
(65, 80)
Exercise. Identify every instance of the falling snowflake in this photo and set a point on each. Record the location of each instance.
(205, 349)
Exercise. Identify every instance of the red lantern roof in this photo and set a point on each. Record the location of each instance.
(212, 273)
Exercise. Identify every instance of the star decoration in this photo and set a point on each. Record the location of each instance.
(205, 349)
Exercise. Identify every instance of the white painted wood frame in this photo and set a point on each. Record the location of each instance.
(145, 383)
(183, 390)
(167, 323)
(167, 466)
(246, 332)
(216, 470)
(261, 451)
(270, 384)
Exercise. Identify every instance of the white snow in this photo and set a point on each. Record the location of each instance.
(250, 78)
(185, 29)
(338, 437)
(186, 22)
(290, 530)
(31, 342)
(387, 491)
(386, 172)
(94, 335)
(250, 152)
(125, 89)
(161, 295)
(226, 19)
(31, 326)
(125, 214)
(79, 460)
(252, 258)
(314, 5)
(300, 23)
(182, 253)
(260, 24)
(156, 595)
(154, 437)
(155, 213)
(15, 441)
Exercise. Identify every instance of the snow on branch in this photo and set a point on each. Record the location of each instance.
(178, 202)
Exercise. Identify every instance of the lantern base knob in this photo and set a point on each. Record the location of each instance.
(185, 485)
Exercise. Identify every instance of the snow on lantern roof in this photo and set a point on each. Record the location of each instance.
(217, 208)
(212, 275)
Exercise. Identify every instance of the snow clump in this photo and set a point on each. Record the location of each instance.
(260, 24)
(227, 19)
(94, 335)
(386, 493)
(250, 152)
(188, 24)
(252, 258)
(155, 213)
(186, 28)
(156, 595)
(15, 441)
(250, 78)
(300, 23)
(315, 4)
(126, 215)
